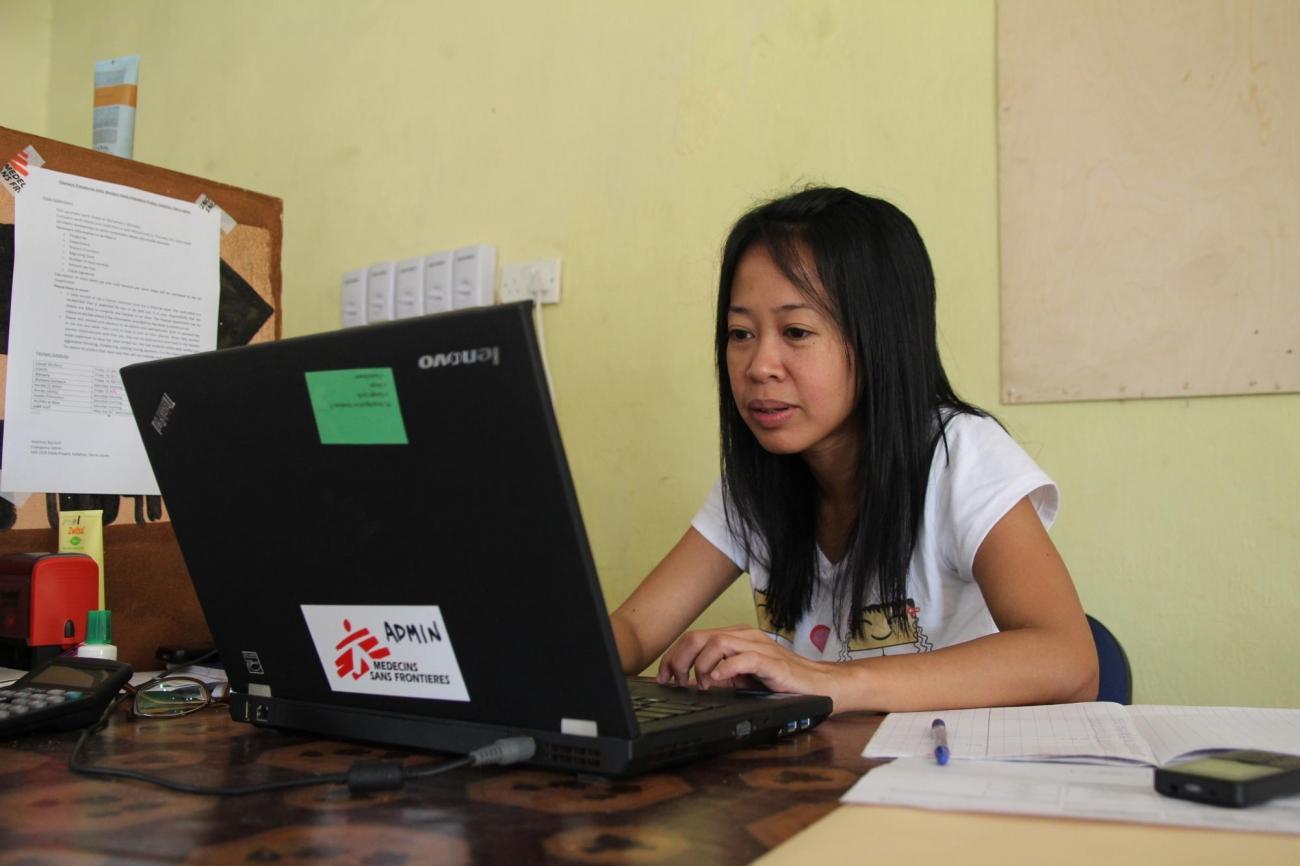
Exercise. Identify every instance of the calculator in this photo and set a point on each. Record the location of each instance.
(66, 693)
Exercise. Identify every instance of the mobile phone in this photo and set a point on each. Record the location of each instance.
(1239, 778)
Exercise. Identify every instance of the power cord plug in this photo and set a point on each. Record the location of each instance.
(500, 753)
(507, 750)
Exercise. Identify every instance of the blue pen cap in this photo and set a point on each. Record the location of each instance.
(939, 731)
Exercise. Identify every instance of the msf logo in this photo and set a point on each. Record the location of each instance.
(356, 651)
(462, 358)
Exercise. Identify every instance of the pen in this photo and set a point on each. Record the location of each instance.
(939, 732)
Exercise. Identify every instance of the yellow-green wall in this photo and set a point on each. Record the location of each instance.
(25, 33)
(624, 137)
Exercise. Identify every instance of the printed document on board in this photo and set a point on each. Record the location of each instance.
(104, 276)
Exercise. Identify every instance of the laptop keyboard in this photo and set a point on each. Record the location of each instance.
(650, 709)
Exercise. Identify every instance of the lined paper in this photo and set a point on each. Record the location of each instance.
(1174, 732)
(1092, 732)
(1057, 790)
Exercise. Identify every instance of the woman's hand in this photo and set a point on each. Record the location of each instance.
(743, 657)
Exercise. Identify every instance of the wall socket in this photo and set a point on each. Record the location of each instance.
(521, 280)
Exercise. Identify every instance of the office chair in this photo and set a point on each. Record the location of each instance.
(1115, 675)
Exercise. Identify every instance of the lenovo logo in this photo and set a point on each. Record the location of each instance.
(465, 356)
(163, 413)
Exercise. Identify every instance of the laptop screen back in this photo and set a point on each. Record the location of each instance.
(383, 518)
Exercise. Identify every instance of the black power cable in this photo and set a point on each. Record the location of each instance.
(362, 777)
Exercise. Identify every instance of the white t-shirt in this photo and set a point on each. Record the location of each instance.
(973, 484)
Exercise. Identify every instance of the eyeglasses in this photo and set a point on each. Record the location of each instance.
(168, 697)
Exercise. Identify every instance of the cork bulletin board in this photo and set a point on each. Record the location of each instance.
(250, 256)
(146, 582)
(1149, 198)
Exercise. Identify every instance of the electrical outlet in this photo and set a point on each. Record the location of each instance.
(522, 280)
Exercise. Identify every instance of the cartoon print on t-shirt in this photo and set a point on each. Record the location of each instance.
(883, 634)
(784, 637)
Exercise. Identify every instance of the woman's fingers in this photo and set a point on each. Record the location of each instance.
(757, 664)
(731, 654)
(702, 650)
(742, 657)
(675, 667)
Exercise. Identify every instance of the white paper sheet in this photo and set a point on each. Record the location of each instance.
(1060, 790)
(104, 276)
(1098, 732)
(1089, 732)
(1174, 732)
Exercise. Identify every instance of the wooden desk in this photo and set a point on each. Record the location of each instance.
(897, 835)
(727, 810)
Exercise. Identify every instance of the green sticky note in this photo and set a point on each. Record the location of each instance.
(356, 407)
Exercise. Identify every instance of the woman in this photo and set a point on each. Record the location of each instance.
(895, 536)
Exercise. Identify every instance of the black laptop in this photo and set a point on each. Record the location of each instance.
(384, 538)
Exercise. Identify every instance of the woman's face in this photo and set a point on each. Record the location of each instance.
(789, 367)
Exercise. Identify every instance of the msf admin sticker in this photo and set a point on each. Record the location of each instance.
(403, 651)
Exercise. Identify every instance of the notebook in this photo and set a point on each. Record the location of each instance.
(384, 537)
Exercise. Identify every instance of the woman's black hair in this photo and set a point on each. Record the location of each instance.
(879, 289)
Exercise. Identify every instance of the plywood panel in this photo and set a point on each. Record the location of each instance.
(1149, 175)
